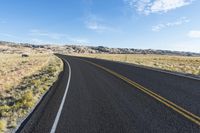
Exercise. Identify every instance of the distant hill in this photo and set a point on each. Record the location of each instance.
(11, 47)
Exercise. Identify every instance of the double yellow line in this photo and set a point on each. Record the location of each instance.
(194, 118)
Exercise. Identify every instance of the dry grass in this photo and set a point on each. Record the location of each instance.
(14, 68)
(3, 124)
(183, 64)
(23, 82)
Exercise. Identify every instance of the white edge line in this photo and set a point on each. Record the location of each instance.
(31, 111)
(53, 129)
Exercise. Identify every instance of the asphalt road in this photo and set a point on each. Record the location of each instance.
(100, 101)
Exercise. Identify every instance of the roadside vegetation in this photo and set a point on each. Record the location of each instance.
(183, 64)
(23, 80)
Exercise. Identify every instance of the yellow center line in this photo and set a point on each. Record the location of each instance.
(194, 118)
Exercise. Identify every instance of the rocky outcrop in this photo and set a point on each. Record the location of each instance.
(10, 47)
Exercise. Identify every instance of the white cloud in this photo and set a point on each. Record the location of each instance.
(194, 34)
(8, 35)
(41, 37)
(180, 21)
(166, 5)
(96, 24)
(186, 46)
(68, 40)
(56, 36)
(38, 41)
(79, 40)
(156, 6)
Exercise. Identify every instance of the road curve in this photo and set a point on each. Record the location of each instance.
(98, 101)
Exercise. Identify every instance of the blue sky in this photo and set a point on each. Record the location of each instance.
(155, 24)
